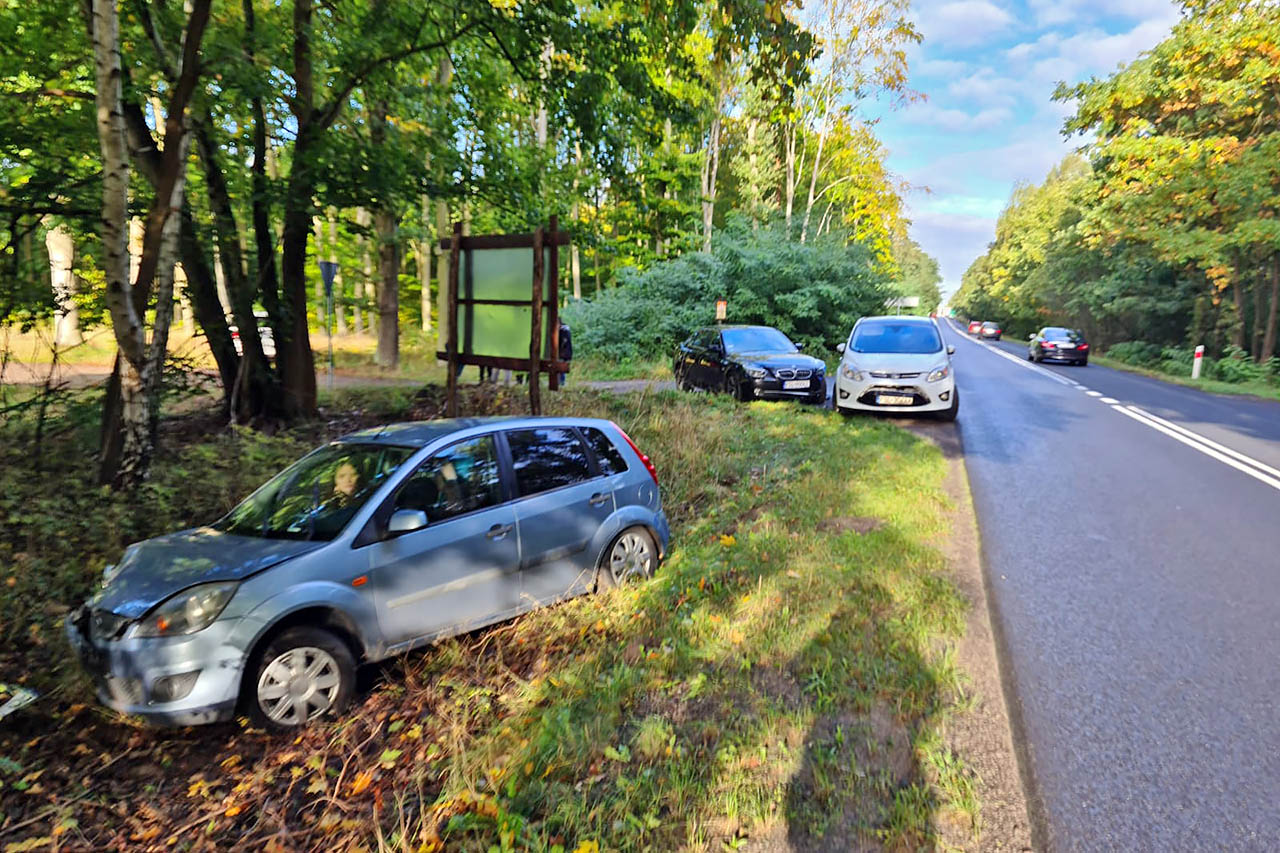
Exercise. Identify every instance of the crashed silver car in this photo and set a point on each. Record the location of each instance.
(380, 542)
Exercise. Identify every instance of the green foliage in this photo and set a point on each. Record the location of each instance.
(813, 292)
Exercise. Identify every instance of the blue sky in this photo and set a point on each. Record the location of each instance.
(988, 69)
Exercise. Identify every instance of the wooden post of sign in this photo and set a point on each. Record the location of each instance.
(553, 318)
(535, 333)
(451, 307)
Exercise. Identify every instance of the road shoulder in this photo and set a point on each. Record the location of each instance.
(983, 733)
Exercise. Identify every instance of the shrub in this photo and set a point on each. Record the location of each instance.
(1236, 366)
(813, 292)
(1137, 353)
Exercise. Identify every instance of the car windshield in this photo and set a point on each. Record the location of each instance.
(887, 336)
(1061, 334)
(316, 496)
(990, 325)
(761, 339)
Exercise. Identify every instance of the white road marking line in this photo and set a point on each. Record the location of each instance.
(1195, 436)
(1061, 380)
(1093, 393)
(1142, 418)
(1110, 401)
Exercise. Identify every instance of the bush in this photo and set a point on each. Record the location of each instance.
(1236, 366)
(812, 292)
(1137, 353)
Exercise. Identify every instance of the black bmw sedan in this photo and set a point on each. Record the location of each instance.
(751, 363)
(1054, 343)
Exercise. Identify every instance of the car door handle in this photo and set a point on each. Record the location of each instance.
(499, 530)
(598, 499)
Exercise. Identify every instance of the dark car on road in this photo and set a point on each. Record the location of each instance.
(990, 331)
(751, 363)
(1054, 343)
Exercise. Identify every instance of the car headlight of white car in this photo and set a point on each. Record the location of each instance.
(848, 371)
(942, 371)
(189, 611)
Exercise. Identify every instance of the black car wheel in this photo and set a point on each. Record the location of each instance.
(682, 379)
(738, 389)
(1030, 357)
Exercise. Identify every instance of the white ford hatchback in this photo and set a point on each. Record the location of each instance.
(896, 364)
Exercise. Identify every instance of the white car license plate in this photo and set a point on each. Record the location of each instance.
(893, 400)
(790, 384)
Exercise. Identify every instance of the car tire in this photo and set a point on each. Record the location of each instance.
(632, 556)
(682, 381)
(1030, 356)
(328, 691)
(949, 414)
(1083, 362)
(737, 391)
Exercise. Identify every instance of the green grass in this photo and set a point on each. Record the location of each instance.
(783, 676)
(1266, 390)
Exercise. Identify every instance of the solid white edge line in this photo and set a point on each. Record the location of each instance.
(1094, 393)
(1061, 380)
(1207, 451)
(1195, 436)
(1110, 401)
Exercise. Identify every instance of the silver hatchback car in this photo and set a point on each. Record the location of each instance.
(379, 542)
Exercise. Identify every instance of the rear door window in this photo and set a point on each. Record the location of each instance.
(607, 454)
(459, 479)
(547, 458)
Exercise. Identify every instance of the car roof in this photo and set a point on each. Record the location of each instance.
(422, 433)
(910, 318)
(721, 327)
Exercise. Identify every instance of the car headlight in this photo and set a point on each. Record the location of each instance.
(189, 611)
(755, 372)
(848, 371)
(942, 371)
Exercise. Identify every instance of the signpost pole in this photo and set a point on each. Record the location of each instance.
(1195, 364)
(329, 271)
(451, 308)
(535, 336)
(553, 316)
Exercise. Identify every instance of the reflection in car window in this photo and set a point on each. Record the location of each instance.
(459, 479)
(316, 496)
(889, 336)
(1056, 334)
(547, 459)
(610, 459)
(757, 340)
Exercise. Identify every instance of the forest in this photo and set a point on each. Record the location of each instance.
(166, 165)
(1162, 234)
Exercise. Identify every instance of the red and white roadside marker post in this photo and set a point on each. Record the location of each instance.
(1199, 360)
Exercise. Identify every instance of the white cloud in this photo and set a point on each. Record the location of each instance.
(1054, 57)
(956, 120)
(1048, 13)
(964, 23)
(985, 88)
(941, 67)
(954, 239)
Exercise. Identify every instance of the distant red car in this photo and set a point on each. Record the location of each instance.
(975, 326)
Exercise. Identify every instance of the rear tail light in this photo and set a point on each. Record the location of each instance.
(1049, 345)
(1083, 346)
(647, 462)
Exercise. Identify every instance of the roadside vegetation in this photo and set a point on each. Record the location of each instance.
(787, 675)
(1163, 236)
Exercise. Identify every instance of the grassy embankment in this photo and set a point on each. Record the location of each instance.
(1266, 390)
(785, 677)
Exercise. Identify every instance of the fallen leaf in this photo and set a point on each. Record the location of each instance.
(362, 781)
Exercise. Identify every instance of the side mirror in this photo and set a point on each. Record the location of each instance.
(800, 346)
(951, 350)
(406, 521)
(1031, 337)
(840, 347)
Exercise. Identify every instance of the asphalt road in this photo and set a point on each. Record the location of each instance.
(1135, 580)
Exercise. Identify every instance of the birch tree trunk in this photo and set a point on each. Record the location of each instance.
(339, 290)
(61, 248)
(817, 167)
(710, 167)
